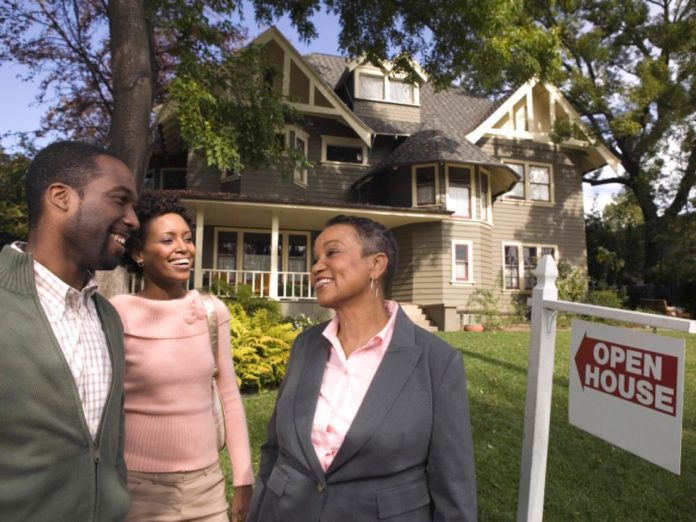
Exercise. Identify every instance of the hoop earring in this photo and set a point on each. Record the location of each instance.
(374, 288)
(140, 263)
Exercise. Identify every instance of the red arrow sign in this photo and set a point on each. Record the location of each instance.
(640, 376)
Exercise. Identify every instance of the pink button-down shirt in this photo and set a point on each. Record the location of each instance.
(344, 386)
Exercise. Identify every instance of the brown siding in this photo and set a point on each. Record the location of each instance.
(560, 224)
(387, 111)
(299, 84)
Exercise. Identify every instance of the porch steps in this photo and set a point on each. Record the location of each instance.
(417, 315)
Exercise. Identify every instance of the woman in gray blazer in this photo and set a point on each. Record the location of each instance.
(372, 419)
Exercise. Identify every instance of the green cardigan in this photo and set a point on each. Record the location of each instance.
(50, 467)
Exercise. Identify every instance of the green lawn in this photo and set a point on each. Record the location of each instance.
(587, 478)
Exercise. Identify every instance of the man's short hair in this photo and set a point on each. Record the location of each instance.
(70, 162)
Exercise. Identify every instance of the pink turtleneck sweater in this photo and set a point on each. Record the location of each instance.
(169, 423)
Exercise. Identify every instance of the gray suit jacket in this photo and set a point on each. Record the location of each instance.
(407, 457)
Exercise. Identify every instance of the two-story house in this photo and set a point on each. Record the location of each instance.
(474, 190)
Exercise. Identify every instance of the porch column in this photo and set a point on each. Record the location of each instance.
(198, 261)
(273, 284)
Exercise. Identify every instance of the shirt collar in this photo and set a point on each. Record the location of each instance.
(49, 285)
(331, 330)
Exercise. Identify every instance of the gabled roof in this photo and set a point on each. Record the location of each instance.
(326, 90)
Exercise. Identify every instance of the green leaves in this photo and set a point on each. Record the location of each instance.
(260, 347)
(229, 112)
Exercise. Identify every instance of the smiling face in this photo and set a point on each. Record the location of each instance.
(168, 252)
(103, 217)
(341, 274)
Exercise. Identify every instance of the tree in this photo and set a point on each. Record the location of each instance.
(109, 65)
(13, 208)
(628, 66)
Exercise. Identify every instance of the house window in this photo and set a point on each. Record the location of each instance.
(297, 253)
(511, 256)
(539, 183)
(343, 150)
(298, 139)
(227, 250)
(371, 87)
(371, 84)
(462, 262)
(535, 182)
(483, 192)
(517, 191)
(459, 190)
(400, 91)
(516, 268)
(425, 184)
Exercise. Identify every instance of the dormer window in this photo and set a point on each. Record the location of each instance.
(372, 84)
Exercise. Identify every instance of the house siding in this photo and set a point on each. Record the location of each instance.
(387, 111)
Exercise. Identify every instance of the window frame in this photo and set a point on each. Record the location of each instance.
(299, 176)
(527, 184)
(283, 241)
(521, 269)
(340, 141)
(469, 262)
(414, 185)
(472, 189)
(386, 90)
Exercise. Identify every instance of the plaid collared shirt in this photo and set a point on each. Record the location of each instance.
(76, 325)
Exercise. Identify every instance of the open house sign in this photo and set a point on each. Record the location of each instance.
(626, 387)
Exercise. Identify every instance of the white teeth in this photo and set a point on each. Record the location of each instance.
(119, 239)
(321, 283)
(181, 262)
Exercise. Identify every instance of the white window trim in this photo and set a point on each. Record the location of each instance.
(347, 142)
(284, 238)
(414, 187)
(299, 176)
(470, 271)
(526, 191)
(520, 261)
(472, 190)
(385, 87)
(489, 202)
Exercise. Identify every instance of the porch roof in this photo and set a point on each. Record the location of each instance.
(227, 209)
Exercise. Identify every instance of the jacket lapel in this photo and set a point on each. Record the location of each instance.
(307, 395)
(399, 361)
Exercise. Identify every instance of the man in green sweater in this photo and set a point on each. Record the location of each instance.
(61, 344)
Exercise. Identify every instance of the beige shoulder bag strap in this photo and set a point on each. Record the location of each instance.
(218, 409)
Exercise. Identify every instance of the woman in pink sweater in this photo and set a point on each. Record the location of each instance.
(170, 447)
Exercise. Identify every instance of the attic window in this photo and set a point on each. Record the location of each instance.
(400, 91)
(371, 85)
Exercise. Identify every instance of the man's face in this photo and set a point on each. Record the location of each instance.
(98, 229)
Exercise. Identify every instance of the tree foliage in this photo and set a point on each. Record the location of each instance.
(483, 44)
(628, 66)
(13, 208)
(103, 68)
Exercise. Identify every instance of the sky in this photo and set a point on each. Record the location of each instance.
(20, 112)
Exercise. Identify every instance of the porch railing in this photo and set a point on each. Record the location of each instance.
(224, 283)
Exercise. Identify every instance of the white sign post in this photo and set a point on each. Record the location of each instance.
(540, 380)
(626, 387)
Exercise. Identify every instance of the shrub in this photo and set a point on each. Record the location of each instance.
(486, 302)
(260, 347)
(572, 286)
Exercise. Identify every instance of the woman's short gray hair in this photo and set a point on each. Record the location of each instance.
(375, 238)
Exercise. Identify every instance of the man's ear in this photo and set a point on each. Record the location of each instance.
(59, 196)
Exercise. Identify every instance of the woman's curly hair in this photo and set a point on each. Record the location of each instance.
(150, 205)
